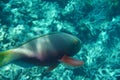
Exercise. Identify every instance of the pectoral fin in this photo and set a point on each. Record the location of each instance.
(71, 61)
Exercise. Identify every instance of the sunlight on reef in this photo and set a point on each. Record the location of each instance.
(95, 22)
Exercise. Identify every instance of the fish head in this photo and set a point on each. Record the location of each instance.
(74, 46)
(65, 44)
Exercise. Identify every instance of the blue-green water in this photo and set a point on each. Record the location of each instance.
(95, 22)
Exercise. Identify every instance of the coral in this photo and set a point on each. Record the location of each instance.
(95, 22)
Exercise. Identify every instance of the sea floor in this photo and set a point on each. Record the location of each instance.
(95, 22)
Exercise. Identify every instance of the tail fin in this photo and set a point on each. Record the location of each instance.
(6, 57)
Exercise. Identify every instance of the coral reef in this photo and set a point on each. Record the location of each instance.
(95, 22)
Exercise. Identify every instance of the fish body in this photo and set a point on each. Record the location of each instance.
(46, 50)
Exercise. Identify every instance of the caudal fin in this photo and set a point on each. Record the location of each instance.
(6, 57)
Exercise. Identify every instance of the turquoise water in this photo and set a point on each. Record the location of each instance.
(95, 22)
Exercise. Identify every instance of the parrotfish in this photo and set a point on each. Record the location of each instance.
(46, 50)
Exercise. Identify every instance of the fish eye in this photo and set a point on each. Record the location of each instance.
(75, 41)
